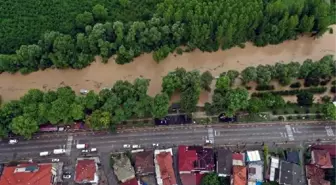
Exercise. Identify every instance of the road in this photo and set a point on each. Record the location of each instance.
(221, 135)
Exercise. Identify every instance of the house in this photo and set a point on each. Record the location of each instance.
(87, 171)
(164, 170)
(122, 167)
(292, 157)
(195, 159)
(274, 169)
(192, 178)
(238, 159)
(315, 175)
(144, 162)
(330, 148)
(29, 174)
(224, 163)
(255, 173)
(290, 174)
(239, 175)
(321, 158)
(253, 156)
(131, 182)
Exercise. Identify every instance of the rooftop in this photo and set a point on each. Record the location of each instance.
(239, 175)
(131, 182)
(144, 162)
(205, 158)
(255, 171)
(253, 156)
(27, 174)
(122, 167)
(321, 158)
(330, 148)
(290, 173)
(164, 167)
(191, 178)
(315, 175)
(86, 171)
(293, 157)
(224, 162)
(186, 159)
(238, 159)
(274, 169)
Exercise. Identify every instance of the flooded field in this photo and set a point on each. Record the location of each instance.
(99, 75)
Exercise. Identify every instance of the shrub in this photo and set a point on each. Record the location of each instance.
(323, 83)
(311, 81)
(314, 90)
(295, 85)
(307, 111)
(333, 89)
(248, 87)
(326, 99)
(333, 82)
(318, 116)
(318, 112)
(275, 112)
(285, 112)
(299, 117)
(296, 111)
(281, 118)
(308, 117)
(179, 51)
(289, 117)
(265, 87)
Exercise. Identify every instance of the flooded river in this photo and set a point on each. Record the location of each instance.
(99, 75)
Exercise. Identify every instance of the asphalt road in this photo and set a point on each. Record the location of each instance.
(221, 135)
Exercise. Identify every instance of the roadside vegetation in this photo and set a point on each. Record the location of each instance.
(69, 34)
(112, 107)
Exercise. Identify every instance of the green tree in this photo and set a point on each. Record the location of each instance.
(99, 12)
(305, 98)
(24, 126)
(236, 99)
(232, 74)
(329, 111)
(223, 83)
(170, 83)
(59, 112)
(32, 96)
(206, 80)
(160, 105)
(90, 101)
(29, 57)
(77, 111)
(99, 120)
(255, 105)
(210, 179)
(264, 75)
(249, 74)
(84, 19)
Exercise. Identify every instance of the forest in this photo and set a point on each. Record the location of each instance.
(125, 100)
(68, 34)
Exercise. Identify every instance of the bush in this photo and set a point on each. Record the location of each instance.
(318, 116)
(281, 118)
(307, 111)
(333, 82)
(265, 87)
(248, 87)
(289, 117)
(318, 112)
(333, 89)
(326, 99)
(313, 90)
(296, 111)
(179, 51)
(285, 112)
(295, 85)
(298, 117)
(311, 81)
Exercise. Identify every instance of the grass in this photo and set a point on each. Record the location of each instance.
(259, 117)
(296, 109)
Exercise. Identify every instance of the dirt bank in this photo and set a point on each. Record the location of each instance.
(100, 75)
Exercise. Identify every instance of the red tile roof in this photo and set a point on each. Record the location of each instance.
(40, 177)
(186, 158)
(237, 156)
(130, 182)
(191, 178)
(144, 162)
(330, 148)
(321, 158)
(315, 175)
(85, 170)
(165, 162)
(239, 175)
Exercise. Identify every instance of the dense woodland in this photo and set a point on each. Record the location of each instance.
(67, 34)
(125, 100)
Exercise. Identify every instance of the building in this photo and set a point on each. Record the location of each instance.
(293, 157)
(192, 178)
(238, 159)
(315, 175)
(253, 156)
(290, 174)
(330, 148)
(274, 169)
(122, 167)
(87, 170)
(321, 158)
(255, 173)
(164, 170)
(195, 159)
(131, 182)
(224, 163)
(30, 174)
(144, 162)
(239, 175)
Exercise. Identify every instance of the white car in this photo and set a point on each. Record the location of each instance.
(85, 151)
(54, 160)
(208, 141)
(84, 91)
(93, 150)
(135, 146)
(66, 176)
(127, 146)
(155, 144)
(12, 141)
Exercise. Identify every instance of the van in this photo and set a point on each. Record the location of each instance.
(59, 151)
(81, 146)
(93, 150)
(12, 141)
(44, 153)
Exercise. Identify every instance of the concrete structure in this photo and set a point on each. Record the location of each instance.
(274, 169)
(164, 167)
(87, 170)
(224, 163)
(122, 167)
(290, 174)
(30, 174)
(255, 173)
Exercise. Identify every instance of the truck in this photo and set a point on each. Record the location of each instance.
(81, 146)
(59, 151)
(44, 153)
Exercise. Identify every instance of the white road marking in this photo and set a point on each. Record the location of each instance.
(289, 132)
(330, 132)
(211, 135)
(68, 146)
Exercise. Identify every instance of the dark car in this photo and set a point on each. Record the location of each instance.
(173, 120)
(226, 119)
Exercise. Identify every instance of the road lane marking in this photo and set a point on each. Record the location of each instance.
(289, 132)
(68, 146)
(330, 132)
(211, 135)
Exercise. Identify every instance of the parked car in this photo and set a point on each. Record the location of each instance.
(54, 160)
(135, 146)
(84, 91)
(12, 141)
(85, 151)
(208, 141)
(93, 150)
(127, 146)
(156, 144)
(66, 176)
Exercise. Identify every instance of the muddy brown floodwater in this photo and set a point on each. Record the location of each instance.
(99, 75)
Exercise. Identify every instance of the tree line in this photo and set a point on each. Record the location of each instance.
(207, 25)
